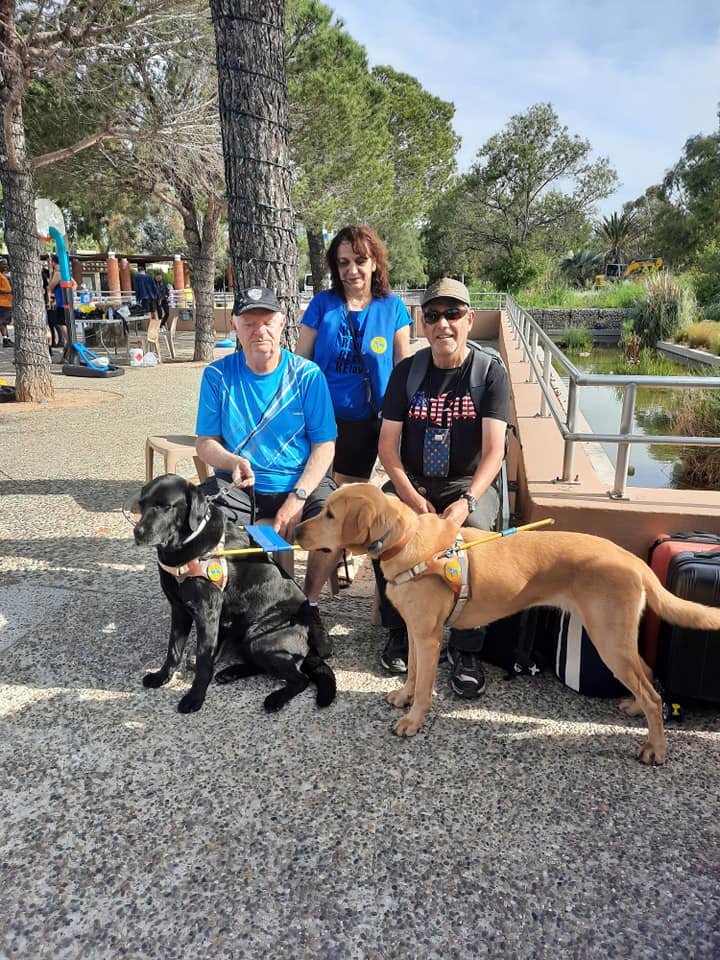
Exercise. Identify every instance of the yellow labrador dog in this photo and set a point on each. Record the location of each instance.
(607, 586)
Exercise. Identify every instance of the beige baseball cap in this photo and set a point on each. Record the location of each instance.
(446, 287)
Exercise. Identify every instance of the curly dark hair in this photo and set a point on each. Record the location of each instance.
(365, 241)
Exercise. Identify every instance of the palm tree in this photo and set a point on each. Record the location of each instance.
(581, 266)
(618, 231)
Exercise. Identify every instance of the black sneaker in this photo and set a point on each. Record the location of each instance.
(394, 657)
(7, 342)
(467, 678)
(318, 637)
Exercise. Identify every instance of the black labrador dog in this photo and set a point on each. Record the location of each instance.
(252, 614)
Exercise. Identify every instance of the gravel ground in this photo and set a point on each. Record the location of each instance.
(515, 826)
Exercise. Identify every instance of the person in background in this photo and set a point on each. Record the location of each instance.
(56, 308)
(163, 299)
(5, 304)
(147, 293)
(356, 332)
(442, 450)
(265, 423)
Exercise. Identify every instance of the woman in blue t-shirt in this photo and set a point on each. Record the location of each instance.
(356, 332)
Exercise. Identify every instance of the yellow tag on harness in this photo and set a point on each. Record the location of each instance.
(214, 571)
(453, 571)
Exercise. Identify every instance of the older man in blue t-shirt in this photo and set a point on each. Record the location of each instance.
(265, 423)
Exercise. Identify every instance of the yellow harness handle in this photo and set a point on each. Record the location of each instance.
(506, 533)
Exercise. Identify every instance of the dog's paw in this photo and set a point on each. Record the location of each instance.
(650, 755)
(275, 701)
(631, 707)
(155, 680)
(400, 698)
(190, 703)
(407, 726)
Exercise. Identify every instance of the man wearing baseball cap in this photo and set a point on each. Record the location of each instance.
(442, 444)
(265, 422)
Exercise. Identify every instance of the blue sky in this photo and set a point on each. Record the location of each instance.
(635, 79)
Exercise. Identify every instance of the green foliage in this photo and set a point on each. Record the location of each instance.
(712, 311)
(407, 264)
(617, 295)
(666, 307)
(617, 232)
(699, 417)
(576, 339)
(580, 267)
(531, 189)
(704, 335)
(513, 270)
(706, 273)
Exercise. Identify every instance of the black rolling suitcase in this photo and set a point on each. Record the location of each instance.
(688, 662)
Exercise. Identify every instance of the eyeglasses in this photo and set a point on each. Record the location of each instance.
(450, 314)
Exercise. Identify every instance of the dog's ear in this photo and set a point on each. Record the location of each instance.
(365, 524)
(197, 506)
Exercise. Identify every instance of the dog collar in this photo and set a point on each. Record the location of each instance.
(201, 527)
(208, 567)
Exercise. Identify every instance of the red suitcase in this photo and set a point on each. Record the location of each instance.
(661, 550)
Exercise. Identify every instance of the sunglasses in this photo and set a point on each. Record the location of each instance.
(450, 314)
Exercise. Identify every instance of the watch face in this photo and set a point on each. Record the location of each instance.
(300, 493)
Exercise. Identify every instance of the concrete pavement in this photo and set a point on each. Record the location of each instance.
(515, 826)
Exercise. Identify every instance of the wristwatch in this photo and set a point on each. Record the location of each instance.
(472, 502)
(300, 493)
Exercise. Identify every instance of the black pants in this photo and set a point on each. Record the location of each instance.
(163, 311)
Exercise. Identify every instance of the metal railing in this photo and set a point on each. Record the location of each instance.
(539, 350)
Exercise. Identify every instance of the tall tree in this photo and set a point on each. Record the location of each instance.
(532, 184)
(617, 232)
(253, 98)
(37, 38)
(339, 139)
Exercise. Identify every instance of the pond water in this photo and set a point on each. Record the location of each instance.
(651, 466)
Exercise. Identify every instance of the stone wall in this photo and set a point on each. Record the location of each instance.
(558, 319)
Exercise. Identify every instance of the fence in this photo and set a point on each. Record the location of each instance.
(539, 350)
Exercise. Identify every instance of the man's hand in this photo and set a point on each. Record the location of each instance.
(458, 511)
(419, 504)
(288, 516)
(242, 475)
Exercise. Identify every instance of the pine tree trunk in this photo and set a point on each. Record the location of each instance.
(202, 247)
(316, 249)
(250, 45)
(32, 360)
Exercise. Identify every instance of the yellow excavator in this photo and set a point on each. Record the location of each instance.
(615, 272)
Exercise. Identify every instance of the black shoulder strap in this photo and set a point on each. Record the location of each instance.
(482, 357)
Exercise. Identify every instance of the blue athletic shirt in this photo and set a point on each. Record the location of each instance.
(233, 400)
(335, 353)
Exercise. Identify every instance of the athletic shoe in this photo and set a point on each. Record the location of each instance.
(467, 678)
(7, 342)
(394, 657)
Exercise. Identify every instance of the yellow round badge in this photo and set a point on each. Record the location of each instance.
(214, 571)
(378, 344)
(453, 573)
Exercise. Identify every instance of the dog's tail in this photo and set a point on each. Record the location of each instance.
(683, 613)
(322, 676)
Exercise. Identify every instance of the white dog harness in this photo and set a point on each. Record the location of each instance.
(208, 566)
(452, 566)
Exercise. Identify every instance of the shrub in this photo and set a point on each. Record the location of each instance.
(576, 338)
(666, 307)
(699, 416)
(704, 336)
(712, 311)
